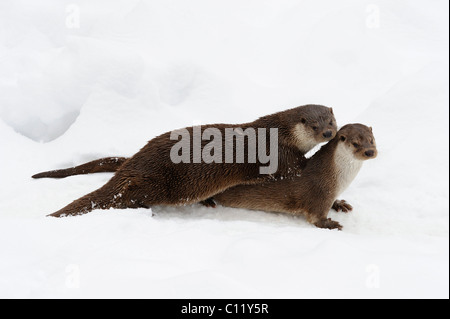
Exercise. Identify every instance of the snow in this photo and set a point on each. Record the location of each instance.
(84, 79)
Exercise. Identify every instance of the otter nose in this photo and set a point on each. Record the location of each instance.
(327, 134)
(369, 153)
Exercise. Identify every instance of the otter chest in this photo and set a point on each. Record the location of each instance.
(347, 167)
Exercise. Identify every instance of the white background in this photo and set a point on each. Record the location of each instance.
(84, 79)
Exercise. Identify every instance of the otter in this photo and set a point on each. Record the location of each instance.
(151, 178)
(313, 193)
(317, 126)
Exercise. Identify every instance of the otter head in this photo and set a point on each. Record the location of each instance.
(359, 140)
(315, 124)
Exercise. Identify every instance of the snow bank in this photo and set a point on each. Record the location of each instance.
(85, 79)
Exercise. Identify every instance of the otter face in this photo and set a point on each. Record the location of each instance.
(359, 140)
(316, 125)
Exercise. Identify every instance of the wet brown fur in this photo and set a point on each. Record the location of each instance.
(151, 178)
(314, 192)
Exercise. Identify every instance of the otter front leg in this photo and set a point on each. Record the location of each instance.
(321, 220)
(342, 205)
(328, 223)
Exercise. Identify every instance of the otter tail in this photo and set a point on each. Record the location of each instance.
(118, 193)
(108, 164)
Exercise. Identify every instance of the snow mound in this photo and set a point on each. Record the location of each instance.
(80, 80)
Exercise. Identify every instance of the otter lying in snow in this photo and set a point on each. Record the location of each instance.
(151, 177)
(312, 194)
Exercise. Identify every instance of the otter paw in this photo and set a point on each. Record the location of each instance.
(328, 223)
(209, 203)
(342, 205)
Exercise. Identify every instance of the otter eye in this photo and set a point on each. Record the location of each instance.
(356, 145)
(315, 128)
(343, 138)
(331, 122)
(303, 121)
(371, 142)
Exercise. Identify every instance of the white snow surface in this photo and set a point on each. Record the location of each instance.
(83, 79)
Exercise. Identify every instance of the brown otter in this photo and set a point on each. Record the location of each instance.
(313, 193)
(150, 177)
(316, 126)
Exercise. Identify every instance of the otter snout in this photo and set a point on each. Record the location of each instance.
(327, 134)
(369, 153)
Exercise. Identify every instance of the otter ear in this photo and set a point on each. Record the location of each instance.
(370, 127)
(343, 138)
(303, 120)
(331, 110)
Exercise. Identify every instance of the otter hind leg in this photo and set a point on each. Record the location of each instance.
(119, 193)
(210, 202)
(95, 200)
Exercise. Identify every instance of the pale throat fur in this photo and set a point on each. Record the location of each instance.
(305, 139)
(346, 166)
